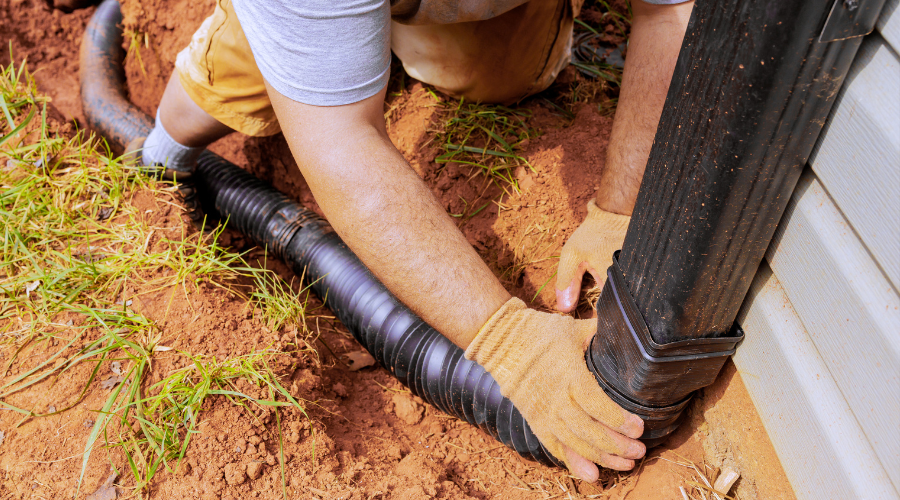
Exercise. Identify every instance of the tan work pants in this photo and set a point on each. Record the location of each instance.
(502, 60)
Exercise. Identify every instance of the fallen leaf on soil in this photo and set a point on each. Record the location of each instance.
(106, 491)
(359, 360)
(111, 381)
(32, 287)
(161, 348)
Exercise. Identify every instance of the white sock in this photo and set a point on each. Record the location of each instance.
(160, 148)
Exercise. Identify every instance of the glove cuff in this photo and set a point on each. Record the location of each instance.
(486, 343)
(612, 219)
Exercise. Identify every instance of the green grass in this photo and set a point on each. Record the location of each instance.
(167, 413)
(137, 38)
(596, 82)
(70, 245)
(488, 137)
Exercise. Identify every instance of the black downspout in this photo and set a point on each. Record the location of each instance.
(754, 83)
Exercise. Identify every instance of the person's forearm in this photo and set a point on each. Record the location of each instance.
(656, 35)
(387, 215)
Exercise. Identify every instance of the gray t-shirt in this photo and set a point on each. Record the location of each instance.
(320, 52)
(334, 52)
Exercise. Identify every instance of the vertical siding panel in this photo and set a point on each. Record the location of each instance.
(822, 448)
(849, 309)
(857, 158)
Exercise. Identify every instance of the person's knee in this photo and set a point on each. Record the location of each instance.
(499, 60)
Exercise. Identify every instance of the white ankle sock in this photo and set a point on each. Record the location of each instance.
(160, 148)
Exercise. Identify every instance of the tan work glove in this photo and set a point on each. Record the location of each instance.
(590, 248)
(537, 358)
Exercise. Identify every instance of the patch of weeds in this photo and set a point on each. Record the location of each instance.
(487, 137)
(70, 245)
(600, 38)
(136, 39)
(279, 303)
(155, 425)
(604, 16)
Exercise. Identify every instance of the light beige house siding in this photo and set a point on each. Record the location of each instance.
(821, 359)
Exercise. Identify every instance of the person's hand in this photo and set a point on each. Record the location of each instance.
(537, 358)
(590, 248)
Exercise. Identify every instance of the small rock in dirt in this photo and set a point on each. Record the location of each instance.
(406, 409)
(254, 470)
(306, 381)
(726, 480)
(251, 450)
(526, 183)
(104, 213)
(88, 423)
(235, 474)
(340, 390)
(51, 409)
(270, 459)
(2, 437)
(116, 367)
(111, 381)
(106, 491)
(254, 439)
(359, 360)
(241, 444)
(261, 448)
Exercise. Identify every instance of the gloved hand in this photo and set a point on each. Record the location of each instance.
(537, 359)
(590, 248)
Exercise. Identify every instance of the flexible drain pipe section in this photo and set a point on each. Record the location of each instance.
(421, 358)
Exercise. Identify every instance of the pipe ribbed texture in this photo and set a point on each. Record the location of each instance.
(421, 358)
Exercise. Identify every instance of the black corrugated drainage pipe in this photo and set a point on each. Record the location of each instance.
(421, 358)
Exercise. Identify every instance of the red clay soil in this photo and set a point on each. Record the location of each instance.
(372, 438)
